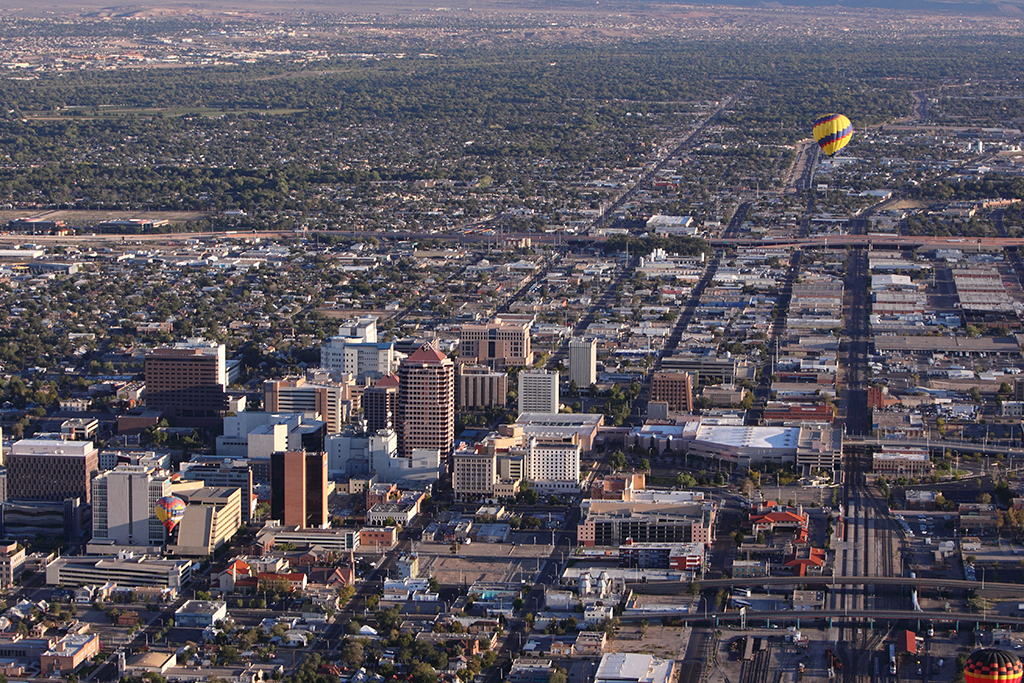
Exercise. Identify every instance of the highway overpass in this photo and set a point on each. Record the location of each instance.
(807, 616)
(934, 444)
(676, 587)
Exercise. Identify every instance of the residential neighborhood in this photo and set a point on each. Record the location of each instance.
(549, 345)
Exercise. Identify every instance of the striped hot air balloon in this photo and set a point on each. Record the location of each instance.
(832, 132)
(170, 510)
(993, 666)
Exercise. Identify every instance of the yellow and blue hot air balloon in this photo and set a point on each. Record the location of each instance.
(170, 510)
(832, 132)
(993, 666)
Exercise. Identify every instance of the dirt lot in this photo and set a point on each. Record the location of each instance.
(481, 562)
(667, 642)
(79, 218)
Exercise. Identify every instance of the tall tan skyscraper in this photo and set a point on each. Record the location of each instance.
(426, 402)
(582, 361)
(477, 386)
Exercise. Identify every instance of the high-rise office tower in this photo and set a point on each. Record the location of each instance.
(675, 389)
(223, 473)
(298, 488)
(332, 401)
(538, 391)
(124, 505)
(582, 361)
(51, 469)
(477, 386)
(188, 380)
(380, 402)
(426, 402)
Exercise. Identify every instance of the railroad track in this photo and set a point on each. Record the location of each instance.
(868, 547)
(757, 669)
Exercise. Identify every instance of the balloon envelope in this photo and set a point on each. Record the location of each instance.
(170, 510)
(992, 665)
(832, 132)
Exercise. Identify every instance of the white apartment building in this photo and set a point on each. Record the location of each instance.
(553, 465)
(356, 351)
(538, 391)
(124, 503)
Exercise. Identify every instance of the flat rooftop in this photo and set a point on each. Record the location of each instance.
(750, 436)
(211, 494)
(561, 419)
(623, 667)
(152, 660)
(922, 344)
(201, 607)
(70, 644)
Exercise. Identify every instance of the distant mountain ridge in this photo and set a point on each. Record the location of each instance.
(963, 7)
(103, 9)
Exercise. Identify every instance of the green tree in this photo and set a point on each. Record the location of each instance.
(685, 480)
(527, 495)
(352, 653)
(389, 619)
(422, 672)
(617, 461)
